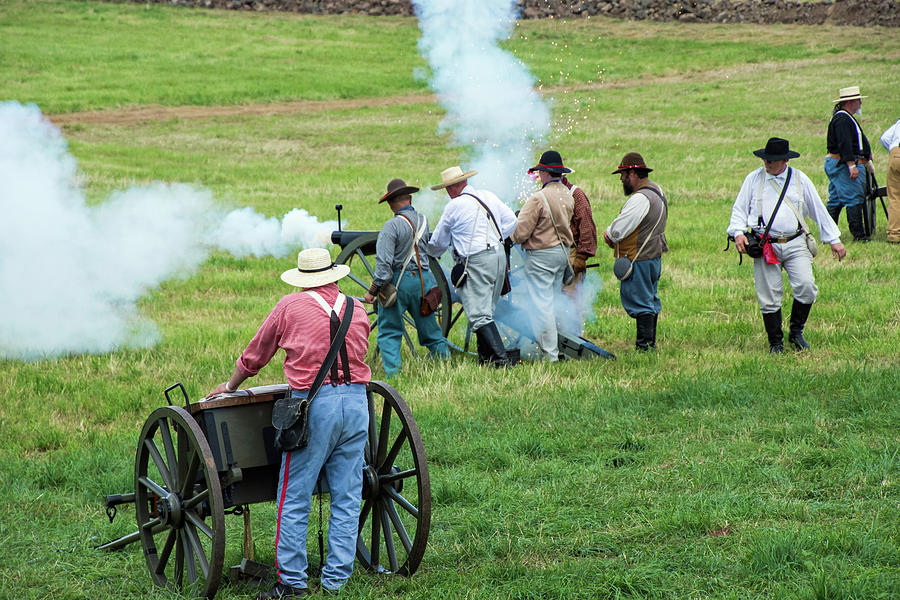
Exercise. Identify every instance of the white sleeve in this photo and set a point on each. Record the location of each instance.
(813, 207)
(440, 237)
(740, 210)
(631, 215)
(891, 136)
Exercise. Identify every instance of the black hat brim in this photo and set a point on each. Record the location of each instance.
(623, 169)
(551, 170)
(399, 192)
(765, 156)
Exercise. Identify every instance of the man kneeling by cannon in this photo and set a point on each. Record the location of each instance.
(304, 325)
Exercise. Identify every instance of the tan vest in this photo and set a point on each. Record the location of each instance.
(657, 244)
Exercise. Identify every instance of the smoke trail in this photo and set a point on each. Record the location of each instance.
(71, 275)
(495, 114)
(492, 108)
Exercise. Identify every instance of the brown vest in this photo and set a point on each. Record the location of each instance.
(657, 244)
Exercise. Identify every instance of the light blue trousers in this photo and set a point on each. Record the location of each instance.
(544, 272)
(391, 324)
(843, 191)
(338, 420)
(639, 292)
(480, 293)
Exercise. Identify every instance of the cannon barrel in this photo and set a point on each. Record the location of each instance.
(343, 238)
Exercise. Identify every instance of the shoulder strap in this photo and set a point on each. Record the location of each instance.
(858, 130)
(336, 345)
(801, 222)
(784, 188)
(550, 212)
(415, 246)
(415, 243)
(338, 303)
(490, 214)
(663, 209)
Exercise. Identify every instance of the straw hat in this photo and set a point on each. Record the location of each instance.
(397, 187)
(632, 160)
(451, 176)
(848, 93)
(314, 268)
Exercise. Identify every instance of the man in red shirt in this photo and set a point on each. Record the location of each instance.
(300, 324)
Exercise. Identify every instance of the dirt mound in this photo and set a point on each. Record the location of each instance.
(837, 12)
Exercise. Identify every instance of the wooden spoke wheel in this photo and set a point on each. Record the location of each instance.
(178, 498)
(359, 256)
(869, 205)
(396, 510)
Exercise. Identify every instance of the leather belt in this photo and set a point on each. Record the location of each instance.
(784, 240)
(838, 157)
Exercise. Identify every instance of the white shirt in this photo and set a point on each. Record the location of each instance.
(469, 227)
(801, 192)
(636, 208)
(891, 137)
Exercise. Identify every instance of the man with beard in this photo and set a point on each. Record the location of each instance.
(848, 153)
(637, 235)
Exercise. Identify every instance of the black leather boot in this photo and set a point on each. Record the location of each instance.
(855, 222)
(653, 331)
(644, 340)
(484, 350)
(799, 314)
(494, 345)
(772, 322)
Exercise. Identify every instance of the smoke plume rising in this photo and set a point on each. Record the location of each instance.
(496, 116)
(71, 274)
(492, 108)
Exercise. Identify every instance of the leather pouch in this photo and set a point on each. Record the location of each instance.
(290, 417)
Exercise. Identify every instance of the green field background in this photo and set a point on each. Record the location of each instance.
(707, 470)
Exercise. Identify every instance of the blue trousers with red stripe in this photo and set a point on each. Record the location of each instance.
(338, 420)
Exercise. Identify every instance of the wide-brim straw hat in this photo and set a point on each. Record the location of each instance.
(314, 268)
(396, 188)
(552, 163)
(451, 176)
(632, 160)
(776, 149)
(848, 93)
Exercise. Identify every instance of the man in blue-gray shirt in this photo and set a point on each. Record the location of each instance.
(396, 262)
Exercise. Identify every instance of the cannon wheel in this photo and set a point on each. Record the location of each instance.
(178, 502)
(396, 512)
(869, 205)
(353, 253)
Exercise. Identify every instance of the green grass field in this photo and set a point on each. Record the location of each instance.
(708, 470)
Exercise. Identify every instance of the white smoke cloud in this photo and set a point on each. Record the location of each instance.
(245, 232)
(500, 121)
(71, 274)
(492, 108)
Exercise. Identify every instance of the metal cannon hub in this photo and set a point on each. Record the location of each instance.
(170, 510)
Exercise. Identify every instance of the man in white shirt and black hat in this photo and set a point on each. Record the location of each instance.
(755, 208)
(476, 222)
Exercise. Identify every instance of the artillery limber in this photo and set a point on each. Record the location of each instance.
(358, 252)
(198, 462)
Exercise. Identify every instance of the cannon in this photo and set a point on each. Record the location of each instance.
(197, 463)
(358, 251)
